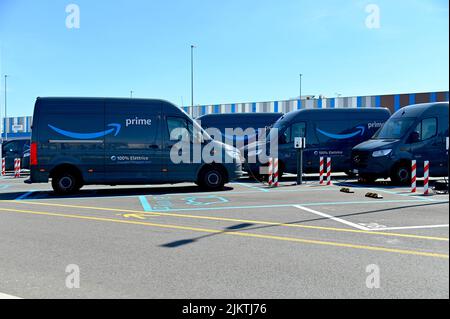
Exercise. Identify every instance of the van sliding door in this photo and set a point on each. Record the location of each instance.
(133, 148)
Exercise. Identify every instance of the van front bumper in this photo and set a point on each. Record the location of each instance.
(234, 172)
(364, 164)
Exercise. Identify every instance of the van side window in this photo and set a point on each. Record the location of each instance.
(298, 130)
(424, 130)
(286, 136)
(178, 127)
(293, 131)
(429, 128)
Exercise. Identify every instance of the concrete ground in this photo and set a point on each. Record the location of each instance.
(248, 241)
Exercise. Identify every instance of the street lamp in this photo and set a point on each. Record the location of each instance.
(301, 75)
(6, 109)
(192, 78)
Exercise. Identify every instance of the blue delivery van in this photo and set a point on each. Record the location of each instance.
(328, 132)
(416, 132)
(85, 141)
(259, 122)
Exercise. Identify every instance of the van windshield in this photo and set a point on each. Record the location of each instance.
(275, 130)
(394, 129)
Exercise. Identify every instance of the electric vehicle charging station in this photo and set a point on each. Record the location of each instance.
(300, 145)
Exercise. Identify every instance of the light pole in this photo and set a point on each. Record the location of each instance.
(192, 79)
(131, 94)
(301, 75)
(6, 109)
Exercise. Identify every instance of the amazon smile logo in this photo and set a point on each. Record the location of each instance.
(87, 136)
(360, 130)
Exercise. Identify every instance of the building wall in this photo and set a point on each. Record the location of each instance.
(16, 127)
(393, 102)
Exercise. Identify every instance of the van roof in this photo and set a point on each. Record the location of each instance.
(419, 110)
(85, 99)
(68, 102)
(317, 114)
(238, 115)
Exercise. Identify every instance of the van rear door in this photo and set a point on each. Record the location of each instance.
(133, 149)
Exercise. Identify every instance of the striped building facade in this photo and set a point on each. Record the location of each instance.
(21, 126)
(393, 101)
(16, 127)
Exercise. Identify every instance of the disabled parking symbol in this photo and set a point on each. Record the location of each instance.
(205, 200)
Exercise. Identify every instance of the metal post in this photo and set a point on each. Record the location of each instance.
(300, 166)
(301, 75)
(192, 79)
(6, 110)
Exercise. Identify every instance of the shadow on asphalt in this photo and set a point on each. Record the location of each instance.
(247, 226)
(110, 192)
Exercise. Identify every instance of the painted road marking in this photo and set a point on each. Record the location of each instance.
(240, 234)
(136, 216)
(253, 187)
(295, 204)
(240, 221)
(339, 220)
(6, 296)
(145, 204)
(415, 227)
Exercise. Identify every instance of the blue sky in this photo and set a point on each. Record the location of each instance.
(247, 50)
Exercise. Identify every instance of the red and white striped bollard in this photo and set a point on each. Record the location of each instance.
(17, 167)
(328, 171)
(426, 178)
(3, 166)
(270, 172)
(275, 173)
(321, 171)
(413, 176)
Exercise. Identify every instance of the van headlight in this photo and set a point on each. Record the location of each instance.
(381, 153)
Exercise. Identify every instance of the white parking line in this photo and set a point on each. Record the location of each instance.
(5, 296)
(339, 220)
(412, 227)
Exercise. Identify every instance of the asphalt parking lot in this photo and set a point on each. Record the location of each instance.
(248, 241)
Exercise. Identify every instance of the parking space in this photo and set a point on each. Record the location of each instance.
(263, 232)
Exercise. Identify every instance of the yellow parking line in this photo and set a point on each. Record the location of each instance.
(241, 234)
(239, 220)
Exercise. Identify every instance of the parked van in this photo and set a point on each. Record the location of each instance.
(13, 149)
(328, 132)
(417, 132)
(244, 121)
(85, 141)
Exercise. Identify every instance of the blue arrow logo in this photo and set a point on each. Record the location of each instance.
(87, 136)
(361, 131)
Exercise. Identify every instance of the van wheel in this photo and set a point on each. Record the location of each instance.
(401, 175)
(65, 183)
(212, 179)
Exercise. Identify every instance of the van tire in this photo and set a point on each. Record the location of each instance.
(401, 175)
(212, 178)
(65, 183)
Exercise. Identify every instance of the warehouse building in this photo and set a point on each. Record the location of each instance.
(21, 126)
